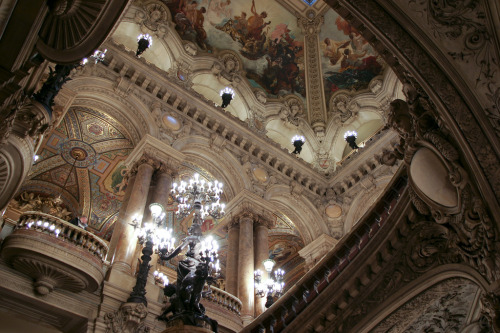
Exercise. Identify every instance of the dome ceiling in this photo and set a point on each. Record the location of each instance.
(94, 186)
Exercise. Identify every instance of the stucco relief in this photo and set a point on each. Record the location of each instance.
(444, 192)
(464, 33)
(443, 307)
(292, 111)
(342, 108)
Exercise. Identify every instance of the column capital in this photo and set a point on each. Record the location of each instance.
(156, 152)
(246, 204)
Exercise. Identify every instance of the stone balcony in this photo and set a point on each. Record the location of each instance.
(223, 307)
(55, 253)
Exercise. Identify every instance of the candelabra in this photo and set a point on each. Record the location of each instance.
(350, 138)
(200, 265)
(274, 286)
(160, 278)
(149, 235)
(198, 194)
(97, 56)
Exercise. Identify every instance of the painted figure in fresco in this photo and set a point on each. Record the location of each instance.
(118, 180)
(333, 50)
(358, 61)
(256, 23)
(241, 25)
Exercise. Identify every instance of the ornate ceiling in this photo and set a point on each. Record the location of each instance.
(94, 186)
(259, 49)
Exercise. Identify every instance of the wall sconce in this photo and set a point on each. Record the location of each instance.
(144, 41)
(298, 141)
(227, 95)
(350, 138)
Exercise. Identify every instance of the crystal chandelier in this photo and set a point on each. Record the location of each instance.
(198, 194)
(272, 287)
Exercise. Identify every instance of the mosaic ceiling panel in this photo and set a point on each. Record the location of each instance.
(82, 160)
(263, 33)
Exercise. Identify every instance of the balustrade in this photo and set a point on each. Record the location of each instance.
(64, 230)
(224, 299)
(299, 297)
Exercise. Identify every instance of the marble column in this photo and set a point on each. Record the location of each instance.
(118, 228)
(261, 243)
(246, 268)
(163, 182)
(127, 243)
(232, 258)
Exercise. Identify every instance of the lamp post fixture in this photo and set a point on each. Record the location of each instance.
(274, 286)
(298, 141)
(200, 264)
(227, 95)
(350, 138)
(144, 41)
(149, 235)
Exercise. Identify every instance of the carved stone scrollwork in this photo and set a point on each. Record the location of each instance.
(292, 110)
(217, 142)
(128, 319)
(342, 108)
(227, 68)
(155, 17)
(311, 25)
(7, 121)
(490, 311)
(443, 190)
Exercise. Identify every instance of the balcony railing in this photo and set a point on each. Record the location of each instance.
(299, 297)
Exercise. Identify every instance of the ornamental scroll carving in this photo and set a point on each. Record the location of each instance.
(469, 40)
(292, 111)
(155, 17)
(422, 246)
(463, 229)
(128, 319)
(342, 108)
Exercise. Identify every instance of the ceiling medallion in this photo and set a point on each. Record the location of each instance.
(333, 211)
(78, 152)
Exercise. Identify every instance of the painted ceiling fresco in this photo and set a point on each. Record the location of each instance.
(349, 62)
(93, 186)
(263, 33)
